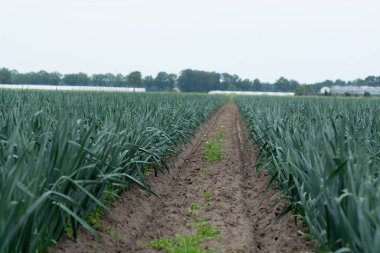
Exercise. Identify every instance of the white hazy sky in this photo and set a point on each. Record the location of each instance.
(306, 40)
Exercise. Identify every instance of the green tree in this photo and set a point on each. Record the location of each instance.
(228, 81)
(305, 90)
(40, 77)
(340, 82)
(372, 81)
(257, 86)
(5, 76)
(76, 79)
(54, 78)
(198, 81)
(165, 81)
(232, 87)
(244, 85)
(134, 78)
(284, 85)
(107, 80)
(120, 80)
(148, 83)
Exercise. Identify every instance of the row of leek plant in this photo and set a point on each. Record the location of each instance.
(62, 153)
(324, 154)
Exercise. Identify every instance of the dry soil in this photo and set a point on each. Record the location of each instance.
(237, 205)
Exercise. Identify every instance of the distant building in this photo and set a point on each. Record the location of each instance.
(352, 90)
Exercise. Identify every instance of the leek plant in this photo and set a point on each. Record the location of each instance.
(61, 153)
(324, 154)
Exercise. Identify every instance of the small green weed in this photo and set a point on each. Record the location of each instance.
(230, 102)
(193, 243)
(191, 213)
(207, 196)
(110, 196)
(116, 235)
(69, 230)
(148, 170)
(214, 150)
(94, 218)
(192, 210)
(188, 243)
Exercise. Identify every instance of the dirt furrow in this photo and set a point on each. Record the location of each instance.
(229, 194)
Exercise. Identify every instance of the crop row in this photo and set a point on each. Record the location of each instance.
(324, 154)
(62, 154)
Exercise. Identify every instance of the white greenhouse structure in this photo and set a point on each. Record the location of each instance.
(69, 88)
(352, 90)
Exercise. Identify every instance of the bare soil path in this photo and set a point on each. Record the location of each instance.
(235, 201)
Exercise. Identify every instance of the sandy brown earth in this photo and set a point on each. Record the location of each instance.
(238, 206)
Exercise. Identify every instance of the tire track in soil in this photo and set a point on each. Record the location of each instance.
(238, 205)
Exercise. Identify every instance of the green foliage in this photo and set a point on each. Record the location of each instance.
(305, 90)
(207, 196)
(66, 155)
(285, 85)
(162, 82)
(189, 81)
(214, 149)
(76, 79)
(324, 154)
(188, 243)
(108, 80)
(194, 242)
(134, 78)
(203, 81)
(94, 219)
(148, 170)
(192, 210)
(5, 76)
(165, 81)
(198, 81)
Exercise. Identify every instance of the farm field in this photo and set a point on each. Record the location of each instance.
(325, 155)
(218, 190)
(174, 172)
(166, 126)
(63, 155)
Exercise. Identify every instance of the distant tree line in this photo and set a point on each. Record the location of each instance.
(56, 78)
(188, 81)
(202, 81)
(311, 89)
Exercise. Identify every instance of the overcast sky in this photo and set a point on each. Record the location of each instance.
(300, 39)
